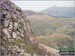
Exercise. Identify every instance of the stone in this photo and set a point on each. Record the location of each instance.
(10, 40)
(14, 35)
(15, 26)
(11, 26)
(6, 23)
(7, 33)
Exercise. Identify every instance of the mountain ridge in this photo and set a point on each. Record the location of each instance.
(65, 12)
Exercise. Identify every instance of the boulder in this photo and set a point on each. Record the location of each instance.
(11, 26)
(15, 26)
(6, 23)
(14, 35)
(6, 32)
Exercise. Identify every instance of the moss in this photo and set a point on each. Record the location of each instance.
(13, 30)
(28, 47)
(32, 34)
(36, 52)
(13, 20)
(6, 43)
(18, 41)
(21, 24)
(2, 33)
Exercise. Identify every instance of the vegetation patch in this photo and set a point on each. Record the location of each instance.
(28, 47)
(18, 41)
(13, 20)
(32, 34)
(13, 30)
(21, 24)
(58, 41)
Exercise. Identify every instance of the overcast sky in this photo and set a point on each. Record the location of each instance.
(41, 5)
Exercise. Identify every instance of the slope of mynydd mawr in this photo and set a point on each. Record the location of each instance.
(16, 36)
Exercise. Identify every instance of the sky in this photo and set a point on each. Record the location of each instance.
(41, 5)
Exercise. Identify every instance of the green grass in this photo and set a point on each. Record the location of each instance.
(44, 25)
(18, 41)
(21, 24)
(28, 47)
(58, 41)
(54, 32)
(32, 34)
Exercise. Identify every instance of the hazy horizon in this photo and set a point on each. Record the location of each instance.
(41, 5)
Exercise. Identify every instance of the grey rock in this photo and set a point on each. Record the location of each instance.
(6, 23)
(7, 34)
(15, 26)
(11, 26)
(14, 35)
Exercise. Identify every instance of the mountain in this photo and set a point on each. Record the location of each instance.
(17, 38)
(65, 12)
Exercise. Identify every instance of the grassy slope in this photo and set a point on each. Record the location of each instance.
(54, 32)
(44, 25)
(58, 41)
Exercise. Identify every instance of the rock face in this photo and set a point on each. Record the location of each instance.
(16, 39)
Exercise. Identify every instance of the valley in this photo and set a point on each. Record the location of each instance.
(54, 32)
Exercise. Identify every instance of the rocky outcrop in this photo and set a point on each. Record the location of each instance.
(16, 39)
(14, 27)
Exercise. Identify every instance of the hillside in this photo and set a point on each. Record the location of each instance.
(58, 41)
(65, 12)
(53, 31)
(44, 24)
(16, 35)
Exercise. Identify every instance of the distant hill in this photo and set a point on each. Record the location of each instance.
(29, 12)
(65, 12)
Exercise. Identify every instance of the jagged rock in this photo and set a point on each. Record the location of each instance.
(15, 26)
(9, 40)
(14, 35)
(6, 32)
(17, 51)
(6, 23)
(11, 26)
